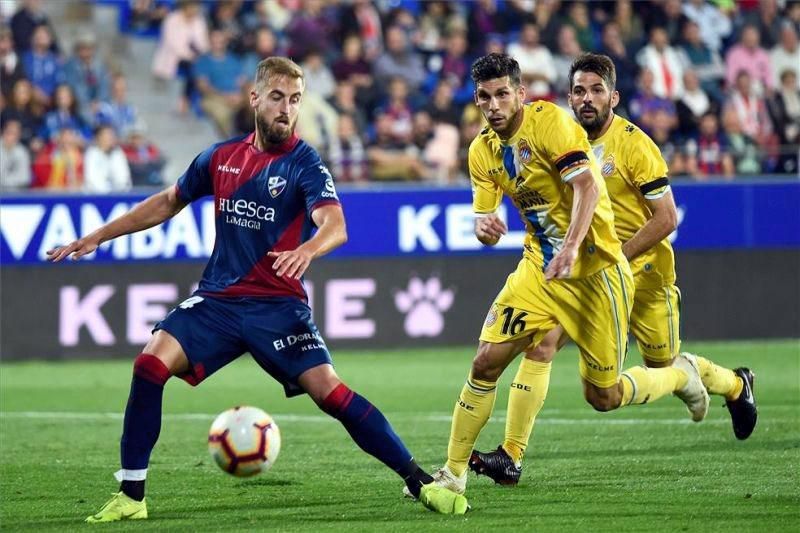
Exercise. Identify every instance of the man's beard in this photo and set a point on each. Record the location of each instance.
(593, 125)
(269, 134)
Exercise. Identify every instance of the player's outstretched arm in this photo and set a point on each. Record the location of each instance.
(331, 233)
(663, 222)
(151, 212)
(489, 228)
(586, 195)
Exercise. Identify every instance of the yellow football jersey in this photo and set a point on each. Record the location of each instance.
(533, 168)
(634, 172)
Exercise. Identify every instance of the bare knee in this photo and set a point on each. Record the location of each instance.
(543, 353)
(603, 399)
(319, 382)
(484, 367)
(168, 350)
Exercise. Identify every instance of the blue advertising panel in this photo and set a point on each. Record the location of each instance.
(398, 222)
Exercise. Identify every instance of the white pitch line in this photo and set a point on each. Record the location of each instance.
(408, 417)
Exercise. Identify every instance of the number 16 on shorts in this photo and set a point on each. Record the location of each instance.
(504, 321)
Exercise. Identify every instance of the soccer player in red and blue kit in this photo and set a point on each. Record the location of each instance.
(270, 189)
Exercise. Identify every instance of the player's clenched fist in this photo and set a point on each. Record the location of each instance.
(489, 228)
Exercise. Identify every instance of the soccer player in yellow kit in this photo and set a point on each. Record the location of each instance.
(572, 272)
(644, 215)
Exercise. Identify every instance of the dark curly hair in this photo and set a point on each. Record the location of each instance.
(599, 64)
(494, 66)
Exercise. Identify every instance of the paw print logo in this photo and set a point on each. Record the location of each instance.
(630, 128)
(424, 304)
(539, 108)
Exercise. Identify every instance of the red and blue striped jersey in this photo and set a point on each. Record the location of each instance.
(263, 202)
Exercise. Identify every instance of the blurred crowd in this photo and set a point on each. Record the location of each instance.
(389, 97)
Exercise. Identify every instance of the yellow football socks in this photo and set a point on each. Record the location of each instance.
(641, 384)
(472, 410)
(719, 380)
(525, 400)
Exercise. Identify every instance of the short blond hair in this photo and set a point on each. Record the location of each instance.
(277, 66)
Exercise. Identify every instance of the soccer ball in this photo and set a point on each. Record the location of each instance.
(244, 441)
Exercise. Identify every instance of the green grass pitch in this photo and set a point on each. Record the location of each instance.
(646, 468)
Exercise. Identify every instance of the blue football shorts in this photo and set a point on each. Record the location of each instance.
(278, 332)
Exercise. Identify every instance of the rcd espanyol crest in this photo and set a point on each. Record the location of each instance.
(524, 150)
(275, 185)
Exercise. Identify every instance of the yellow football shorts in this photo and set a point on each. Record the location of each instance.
(655, 320)
(594, 311)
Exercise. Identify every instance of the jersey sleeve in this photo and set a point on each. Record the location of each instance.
(486, 194)
(316, 183)
(196, 182)
(565, 143)
(647, 170)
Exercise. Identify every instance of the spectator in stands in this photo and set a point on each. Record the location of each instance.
(535, 61)
(42, 65)
(432, 26)
(669, 16)
(768, 22)
(318, 76)
(224, 17)
(265, 45)
(243, 114)
(693, 104)
(399, 60)
(105, 167)
(547, 19)
(628, 26)
(786, 112)
(399, 110)
(626, 66)
(11, 69)
(64, 115)
(144, 158)
(59, 165)
(345, 103)
(348, 156)
(714, 25)
(25, 21)
(646, 103)
(311, 26)
(748, 55)
(117, 111)
(15, 162)
(363, 18)
(568, 50)
(184, 36)
(390, 159)
(219, 78)
(441, 107)
(454, 67)
(664, 62)
(793, 16)
(351, 66)
(786, 54)
(438, 147)
(147, 15)
(661, 133)
(88, 77)
(578, 18)
(483, 18)
(707, 153)
(742, 148)
(704, 61)
(751, 108)
(317, 123)
(22, 108)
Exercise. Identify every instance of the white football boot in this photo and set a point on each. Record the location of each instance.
(445, 478)
(693, 394)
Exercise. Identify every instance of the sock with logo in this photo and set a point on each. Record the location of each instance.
(473, 408)
(525, 400)
(641, 384)
(719, 380)
(142, 423)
